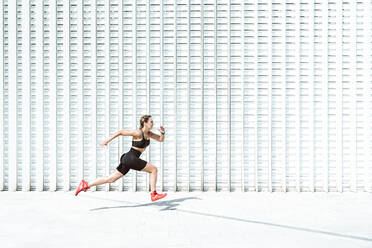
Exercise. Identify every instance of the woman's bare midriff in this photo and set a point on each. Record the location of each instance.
(138, 149)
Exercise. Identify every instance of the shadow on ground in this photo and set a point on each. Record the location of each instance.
(172, 204)
(169, 205)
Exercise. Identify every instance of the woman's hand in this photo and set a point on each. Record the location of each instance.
(103, 144)
(161, 129)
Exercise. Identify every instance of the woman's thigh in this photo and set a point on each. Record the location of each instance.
(135, 163)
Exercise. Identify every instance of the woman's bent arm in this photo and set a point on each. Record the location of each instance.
(157, 137)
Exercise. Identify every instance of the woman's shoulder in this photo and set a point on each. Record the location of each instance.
(137, 133)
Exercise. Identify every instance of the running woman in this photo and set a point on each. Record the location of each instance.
(131, 160)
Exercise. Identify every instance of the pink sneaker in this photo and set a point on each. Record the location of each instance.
(155, 196)
(82, 186)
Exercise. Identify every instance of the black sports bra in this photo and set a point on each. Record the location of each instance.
(141, 143)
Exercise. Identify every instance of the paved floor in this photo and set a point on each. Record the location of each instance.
(197, 219)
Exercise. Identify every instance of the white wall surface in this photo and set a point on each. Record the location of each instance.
(254, 95)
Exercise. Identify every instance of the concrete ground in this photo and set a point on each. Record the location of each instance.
(197, 219)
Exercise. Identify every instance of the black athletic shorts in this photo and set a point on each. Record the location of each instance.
(131, 160)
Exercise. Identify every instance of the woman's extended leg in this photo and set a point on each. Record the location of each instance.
(115, 175)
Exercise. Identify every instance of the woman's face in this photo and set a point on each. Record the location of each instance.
(149, 124)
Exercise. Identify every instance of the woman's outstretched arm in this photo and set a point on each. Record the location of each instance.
(118, 133)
